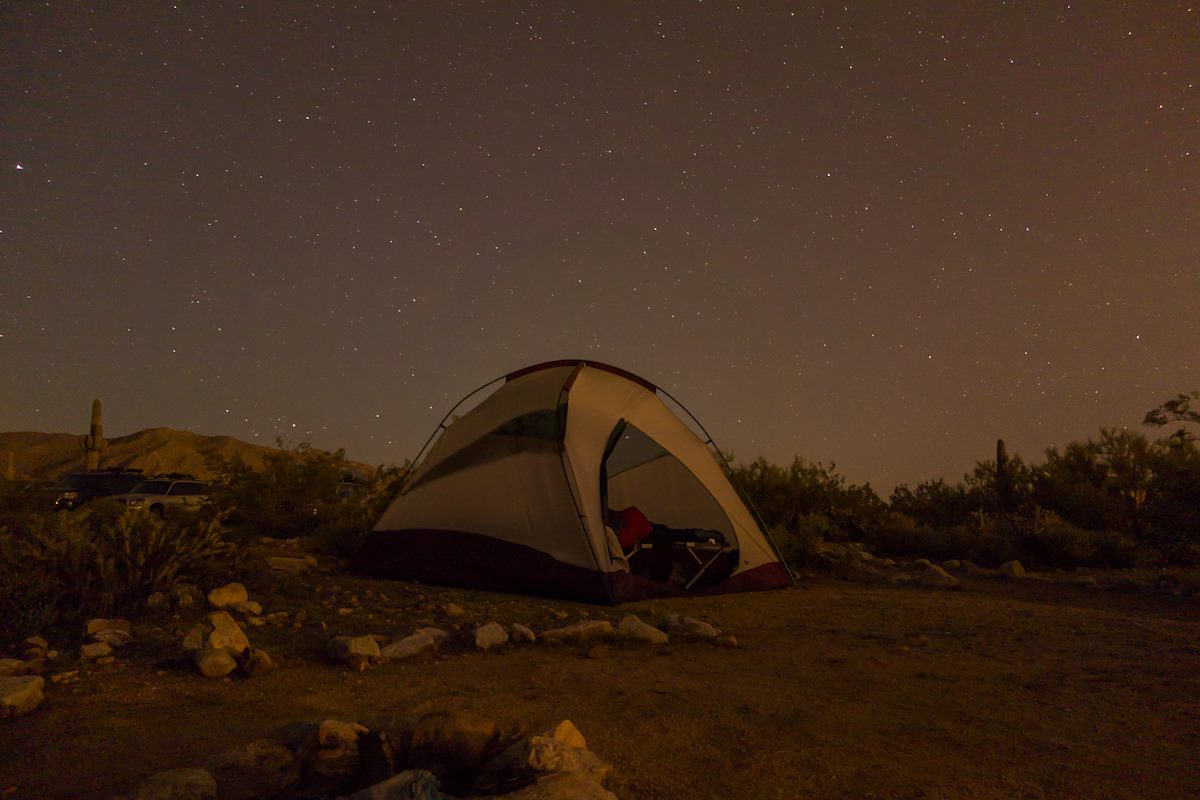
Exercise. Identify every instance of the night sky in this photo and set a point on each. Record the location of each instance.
(855, 232)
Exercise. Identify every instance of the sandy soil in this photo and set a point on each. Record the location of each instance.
(1020, 689)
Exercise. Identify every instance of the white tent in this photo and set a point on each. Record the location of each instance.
(514, 496)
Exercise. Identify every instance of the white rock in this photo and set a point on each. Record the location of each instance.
(214, 663)
(564, 732)
(113, 638)
(1012, 569)
(227, 595)
(217, 631)
(633, 628)
(249, 608)
(454, 610)
(93, 650)
(437, 634)
(690, 626)
(490, 635)
(335, 757)
(11, 666)
(935, 577)
(20, 695)
(521, 633)
(94, 626)
(347, 648)
(408, 647)
(583, 631)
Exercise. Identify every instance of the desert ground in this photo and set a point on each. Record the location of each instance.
(1008, 689)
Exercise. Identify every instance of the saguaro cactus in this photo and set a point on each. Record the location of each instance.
(1004, 482)
(93, 444)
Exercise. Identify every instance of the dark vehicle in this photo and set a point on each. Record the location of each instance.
(80, 487)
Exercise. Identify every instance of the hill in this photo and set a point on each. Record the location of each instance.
(49, 456)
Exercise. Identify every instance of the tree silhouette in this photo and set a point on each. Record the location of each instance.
(1177, 409)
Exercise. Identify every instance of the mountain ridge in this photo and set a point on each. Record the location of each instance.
(50, 456)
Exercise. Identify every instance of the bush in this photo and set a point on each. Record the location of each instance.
(65, 566)
(800, 544)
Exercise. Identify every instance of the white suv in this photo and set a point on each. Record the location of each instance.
(159, 494)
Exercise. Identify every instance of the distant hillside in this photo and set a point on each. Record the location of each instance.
(49, 456)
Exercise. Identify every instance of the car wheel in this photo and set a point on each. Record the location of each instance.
(157, 510)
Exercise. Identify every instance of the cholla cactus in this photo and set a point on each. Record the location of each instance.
(93, 444)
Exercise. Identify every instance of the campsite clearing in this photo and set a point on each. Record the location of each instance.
(1019, 689)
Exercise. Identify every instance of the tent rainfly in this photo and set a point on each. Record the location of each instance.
(515, 494)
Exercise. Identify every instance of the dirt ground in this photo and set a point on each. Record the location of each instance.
(1017, 689)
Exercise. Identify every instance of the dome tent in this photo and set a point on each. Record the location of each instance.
(514, 495)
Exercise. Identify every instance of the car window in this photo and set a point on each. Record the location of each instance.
(151, 487)
(189, 488)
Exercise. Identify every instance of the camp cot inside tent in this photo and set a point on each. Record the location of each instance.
(572, 480)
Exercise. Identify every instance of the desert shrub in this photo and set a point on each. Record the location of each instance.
(785, 496)
(29, 598)
(800, 544)
(88, 563)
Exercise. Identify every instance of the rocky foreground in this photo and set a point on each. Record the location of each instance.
(292, 615)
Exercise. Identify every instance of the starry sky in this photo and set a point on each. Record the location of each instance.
(875, 234)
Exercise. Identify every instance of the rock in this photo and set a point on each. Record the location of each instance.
(217, 631)
(922, 562)
(490, 635)
(934, 577)
(178, 784)
(40, 643)
(562, 786)
(951, 564)
(227, 595)
(412, 783)
(263, 768)
(454, 610)
(598, 651)
(408, 647)
(113, 638)
(332, 757)
(104, 661)
(93, 650)
(94, 626)
(1084, 580)
(538, 756)
(249, 608)
(355, 649)
(214, 662)
(311, 560)
(583, 631)
(692, 627)
(564, 732)
(521, 633)
(457, 740)
(439, 636)
(969, 568)
(67, 676)
(1011, 569)
(292, 566)
(20, 694)
(259, 663)
(157, 601)
(898, 577)
(11, 666)
(633, 628)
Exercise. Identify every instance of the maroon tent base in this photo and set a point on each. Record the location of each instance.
(472, 561)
